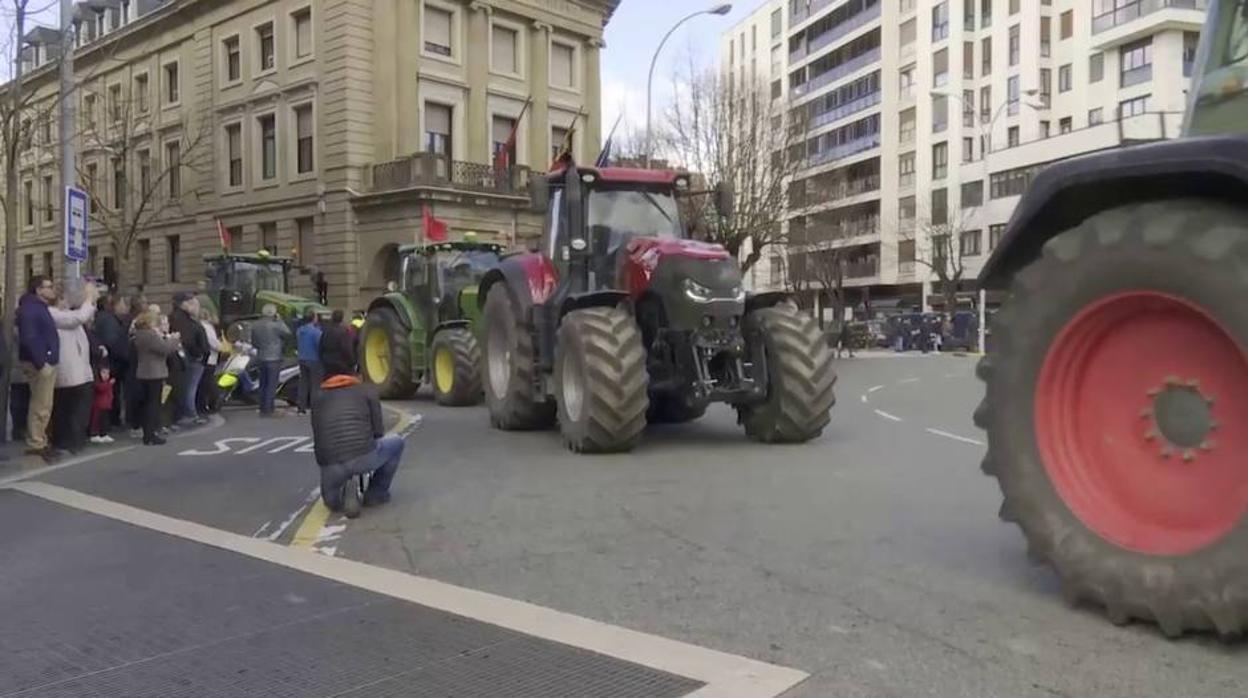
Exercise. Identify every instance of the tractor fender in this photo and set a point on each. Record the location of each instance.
(593, 299)
(769, 299)
(1068, 192)
(530, 280)
(400, 304)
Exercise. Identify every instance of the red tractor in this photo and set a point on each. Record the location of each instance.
(621, 320)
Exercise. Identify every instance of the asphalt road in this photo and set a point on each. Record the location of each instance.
(871, 558)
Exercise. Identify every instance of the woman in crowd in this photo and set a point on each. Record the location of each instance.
(113, 331)
(208, 385)
(71, 401)
(152, 350)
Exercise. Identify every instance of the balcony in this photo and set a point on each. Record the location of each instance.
(844, 110)
(434, 170)
(844, 150)
(862, 269)
(839, 31)
(830, 76)
(1142, 18)
(1135, 76)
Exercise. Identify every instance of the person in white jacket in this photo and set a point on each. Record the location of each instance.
(208, 387)
(71, 400)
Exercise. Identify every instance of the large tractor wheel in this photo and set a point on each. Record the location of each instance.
(509, 366)
(800, 377)
(600, 380)
(386, 356)
(1116, 406)
(456, 368)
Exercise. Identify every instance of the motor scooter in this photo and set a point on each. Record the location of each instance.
(238, 379)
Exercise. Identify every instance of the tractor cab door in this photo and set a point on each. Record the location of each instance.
(232, 303)
(1219, 102)
(418, 286)
(555, 233)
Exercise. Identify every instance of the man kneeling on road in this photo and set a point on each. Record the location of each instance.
(349, 440)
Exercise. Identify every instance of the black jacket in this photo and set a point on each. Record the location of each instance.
(194, 339)
(346, 421)
(337, 350)
(111, 332)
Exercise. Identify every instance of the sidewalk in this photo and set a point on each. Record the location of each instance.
(97, 606)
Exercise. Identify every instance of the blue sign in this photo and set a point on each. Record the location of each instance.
(75, 224)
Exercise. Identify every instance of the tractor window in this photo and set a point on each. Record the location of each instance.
(1223, 89)
(458, 270)
(250, 278)
(632, 212)
(218, 277)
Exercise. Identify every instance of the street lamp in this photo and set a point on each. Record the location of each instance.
(987, 150)
(720, 9)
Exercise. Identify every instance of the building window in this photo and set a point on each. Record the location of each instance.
(29, 265)
(940, 68)
(1064, 78)
(305, 145)
(1046, 33)
(1065, 125)
(1011, 94)
(173, 88)
(940, 160)
(234, 154)
(557, 136)
(501, 129)
(968, 149)
(1046, 87)
(940, 206)
(985, 13)
(233, 59)
(1191, 40)
(909, 32)
(140, 93)
(1044, 129)
(994, 235)
(1011, 136)
(906, 81)
(47, 264)
(119, 183)
(268, 146)
(437, 31)
(1133, 107)
(940, 21)
(144, 158)
(968, 60)
(1014, 4)
(302, 21)
(173, 246)
(173, 161)
(776, 89)
(907, 208)
(438, 129)
(973, 194)
(940, 113)
(1067, 24)
(114, 103)
(777, 23)
(304, 245)
(49, 205)
(1096, 67)
(1096, 116)
(88, 110)
(905, 169)
(92, 178)
(905, 252)
(1136, 62)
(969, 243)
(985, 56)
(561, 61)
(1014, 45)
(985, 102)
(268, 237)
(265, 49)
(145, 261)
(503, 49)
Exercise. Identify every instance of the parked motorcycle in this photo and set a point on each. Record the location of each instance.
(238, 379)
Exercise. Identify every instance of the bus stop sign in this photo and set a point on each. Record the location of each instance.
(75, 224)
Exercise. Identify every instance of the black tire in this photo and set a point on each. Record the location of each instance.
(1192, 249)
(394, 379)
(800, 377)
(600, 380)
(465, 356)
(673, 409)
(511, 388)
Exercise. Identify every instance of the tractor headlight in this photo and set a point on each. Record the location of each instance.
(703, 294)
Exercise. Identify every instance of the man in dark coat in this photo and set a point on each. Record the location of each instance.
(39, 350)
(349, 440)
(185, 321)
(337, 347)
(113, 332)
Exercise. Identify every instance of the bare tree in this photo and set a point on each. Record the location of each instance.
(741, 136)
(150, 174)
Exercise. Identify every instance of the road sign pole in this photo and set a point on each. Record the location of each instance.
(69, 173)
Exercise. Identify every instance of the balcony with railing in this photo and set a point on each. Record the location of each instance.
(839, 31)
(861, 269)
(1137, 75)
(1132, 20)
(836, 73)
(435, 170)
(844, 110)
(844, 150)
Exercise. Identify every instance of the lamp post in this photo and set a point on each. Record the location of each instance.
(987, 150)
(720, 9)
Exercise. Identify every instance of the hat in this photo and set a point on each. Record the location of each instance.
(181, 297)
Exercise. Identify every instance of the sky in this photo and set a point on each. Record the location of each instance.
(632, 35)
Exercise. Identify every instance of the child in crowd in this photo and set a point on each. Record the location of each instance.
(101, 405)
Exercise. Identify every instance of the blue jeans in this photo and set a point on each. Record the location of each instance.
(269, 372)
(381, 464)
(194, 374)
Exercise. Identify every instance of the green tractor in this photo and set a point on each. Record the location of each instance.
(424, 329)
(240, 285)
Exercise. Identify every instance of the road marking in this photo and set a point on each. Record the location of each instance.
(864, 399)
(310, 529)
(874, 388)
(260, 531)
(724, 674)
(955, 437)
(886, 415)
(281, 528)
(953, 375)
(220, 446)
(40, 472)
(289, 441)
(903, 381)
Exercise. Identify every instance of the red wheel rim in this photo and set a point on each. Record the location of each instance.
(1139, 415)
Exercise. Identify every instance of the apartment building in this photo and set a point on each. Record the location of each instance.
(925, 120)
(318, 129)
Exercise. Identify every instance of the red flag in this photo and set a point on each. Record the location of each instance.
(224, 234)
(506, 156)
(435, 230)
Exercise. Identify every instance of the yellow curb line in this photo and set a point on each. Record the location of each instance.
(314, 521)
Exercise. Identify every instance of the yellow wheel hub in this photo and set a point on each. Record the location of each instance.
(444, 370)
(377, 355)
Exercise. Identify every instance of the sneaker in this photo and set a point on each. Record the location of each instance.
(351, 499)
(106, 439)
(97, 440)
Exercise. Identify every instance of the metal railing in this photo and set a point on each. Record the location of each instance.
(858, 270)
(1135, 76)
(845, 149)
(844, 110)
(840, 30)
(1140, 8)
(833, 74)
(435, 170)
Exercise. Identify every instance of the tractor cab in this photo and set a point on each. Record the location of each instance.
(437, 276)
(235, 281)
(1220, 91)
